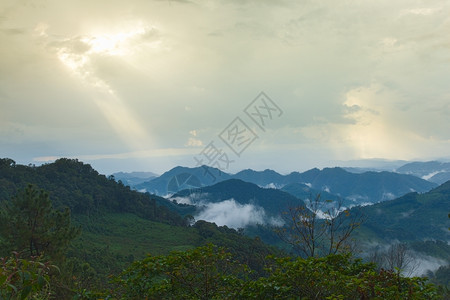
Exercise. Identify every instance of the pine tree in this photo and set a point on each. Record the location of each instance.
(30, 225)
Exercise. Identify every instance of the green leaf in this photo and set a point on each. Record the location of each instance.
(3, 279)
(26, 290)
(13, 287)
(41, 281)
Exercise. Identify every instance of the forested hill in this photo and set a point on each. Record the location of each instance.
(412, 217)
(78, 186)
(118, 224)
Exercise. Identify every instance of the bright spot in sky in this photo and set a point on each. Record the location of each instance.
(78, 60)
(117, 44)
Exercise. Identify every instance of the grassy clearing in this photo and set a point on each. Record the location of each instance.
(127, 234)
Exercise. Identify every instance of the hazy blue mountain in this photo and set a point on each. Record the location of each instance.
(354, 188)
(303, 191)
(305, 177)
(375, 164)
(273, 201)
(440, 177)
(266, 178)
(412, 217)
(362, 170)
(142, 175)
(361, 187)
(368, 187)
(180, 178)
(434, 171)
(134, 178)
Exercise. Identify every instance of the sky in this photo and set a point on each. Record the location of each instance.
(145, 85)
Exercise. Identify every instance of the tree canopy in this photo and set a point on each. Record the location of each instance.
(30, 225)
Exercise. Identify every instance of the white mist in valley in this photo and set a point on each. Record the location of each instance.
(228, 212)
(235, 215)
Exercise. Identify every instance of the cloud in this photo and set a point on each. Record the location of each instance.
(235, 215)
(193, 141)
(419, 11)
(272, 186)
(130, 76)
(426, 263)
(182, 200)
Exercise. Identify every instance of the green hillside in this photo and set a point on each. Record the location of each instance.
(409, 218)
(119, 225)
(78, 186)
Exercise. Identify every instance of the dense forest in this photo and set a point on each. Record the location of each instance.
(69, 232)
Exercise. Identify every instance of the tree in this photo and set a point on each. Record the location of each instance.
(210, 273)
(320, 228)
(207, 272)
(399, 257)
(7, 162)
(335, 277)
(30, 226)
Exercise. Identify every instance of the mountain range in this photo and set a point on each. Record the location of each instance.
(355, 188)
(434, 171)
(413, 216)
(119, 223)
(180, 178)
(134, 178)
(273, 201)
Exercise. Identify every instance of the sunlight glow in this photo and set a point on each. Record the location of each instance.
(71, 60)
(373, 132)
(76, 54)
(113, 44)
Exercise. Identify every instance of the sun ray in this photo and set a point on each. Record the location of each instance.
(114, 109)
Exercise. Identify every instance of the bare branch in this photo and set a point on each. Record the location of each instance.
(320, 227)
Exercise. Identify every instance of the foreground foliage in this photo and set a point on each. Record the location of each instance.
(25, 278)
(203, 273)
(210, 272)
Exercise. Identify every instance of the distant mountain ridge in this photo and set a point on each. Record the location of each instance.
(358, 188)
(273, 201)
(303, 191)
(261, 178)
(367, 187)
(434, 171)
(180, 178)
(134, 178)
